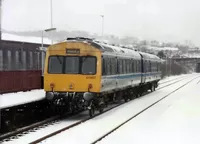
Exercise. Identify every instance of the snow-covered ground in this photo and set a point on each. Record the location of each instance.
(170, 78)
(14, 99)
(175, 120)
(89, 131)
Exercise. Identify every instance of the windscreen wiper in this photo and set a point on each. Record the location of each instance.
(58, 57)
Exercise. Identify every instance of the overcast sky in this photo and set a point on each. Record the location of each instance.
(175, 20)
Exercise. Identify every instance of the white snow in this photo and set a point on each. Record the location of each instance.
(91, 130)
(162, 48)
(30, 39)
(170, 78)
(119, 50)
(175, 120)
(13, 99)
(31, 136)
(192, 55)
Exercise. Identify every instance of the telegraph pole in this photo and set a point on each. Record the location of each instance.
(102, 29)
(51, 11)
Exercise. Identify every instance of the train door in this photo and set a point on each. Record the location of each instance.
(43, 55)
(104, 73)
(145, 71)
(142, 69)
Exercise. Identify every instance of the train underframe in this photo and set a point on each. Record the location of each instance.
(72, 101)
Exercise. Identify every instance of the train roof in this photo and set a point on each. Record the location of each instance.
(115, 49)
(107, 48)
(121, 51)
(28, 39)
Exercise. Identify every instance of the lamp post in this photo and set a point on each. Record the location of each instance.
(42, 49)
(51, 18)
(102, 26)
(46, 30)
(51, 9)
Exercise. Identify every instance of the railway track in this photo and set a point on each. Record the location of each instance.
(55, 121)
(140, 112)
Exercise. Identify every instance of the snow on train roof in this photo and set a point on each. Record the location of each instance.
(29, 39)
(149, 56)
(116, 49)
(122, 50)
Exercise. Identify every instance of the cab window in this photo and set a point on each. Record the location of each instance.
(55, 65)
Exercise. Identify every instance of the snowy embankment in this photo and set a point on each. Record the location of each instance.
(13, 99)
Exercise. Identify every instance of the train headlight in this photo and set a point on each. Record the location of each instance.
(49, 95)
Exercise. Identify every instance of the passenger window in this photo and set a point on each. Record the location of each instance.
(124, 66)
(108, 66)
(31, 60)
(113, 66)
(157, 67)
(88, 65)
(130, 66)
(121, 66)
(9, 66)
(1, 60)
(38, 60)
(20, 59)
(17, 59)
(116, 67)
(129, 63)
(139, 66)
(136, 66)
(149, 67)
(24, 60)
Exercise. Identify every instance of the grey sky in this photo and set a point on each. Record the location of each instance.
(172, 20)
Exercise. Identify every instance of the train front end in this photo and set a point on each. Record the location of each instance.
(72, 74)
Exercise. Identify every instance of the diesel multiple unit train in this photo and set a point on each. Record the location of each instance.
(84, 73)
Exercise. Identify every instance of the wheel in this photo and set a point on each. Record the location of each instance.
(91, 111)
(131, 97)
(152, 88)
(101, 107)
(114, 99)
(101, 110)
(125, 98)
